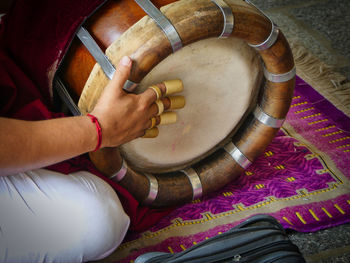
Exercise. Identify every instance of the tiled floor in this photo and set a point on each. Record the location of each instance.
(322, 26)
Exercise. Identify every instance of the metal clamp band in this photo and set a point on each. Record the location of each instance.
(163, 22)
(266, 119)
(96, 52)
(269, 41)
(237, 155)
(118, 176)
(130, 86)
(273, 35)
(65, 96)
(101, 58)
(153, 189)
(195, 182)
(277, 78)
(229, 19)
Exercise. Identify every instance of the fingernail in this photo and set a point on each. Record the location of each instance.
(126, 61)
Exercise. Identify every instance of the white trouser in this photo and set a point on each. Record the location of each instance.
(46, 216)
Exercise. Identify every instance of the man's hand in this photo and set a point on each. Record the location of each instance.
(124, 116)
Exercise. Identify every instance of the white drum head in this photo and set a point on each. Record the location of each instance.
(221, 78)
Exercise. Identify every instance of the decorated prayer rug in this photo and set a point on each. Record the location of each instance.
(302, 179)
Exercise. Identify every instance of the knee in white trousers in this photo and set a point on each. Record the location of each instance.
(50, 217)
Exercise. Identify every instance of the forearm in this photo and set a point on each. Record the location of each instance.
(28, 145)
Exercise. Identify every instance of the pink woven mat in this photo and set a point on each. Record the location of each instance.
(302, 179)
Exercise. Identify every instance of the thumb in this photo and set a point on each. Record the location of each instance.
(122, 73)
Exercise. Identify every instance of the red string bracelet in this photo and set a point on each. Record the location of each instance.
(98, 129)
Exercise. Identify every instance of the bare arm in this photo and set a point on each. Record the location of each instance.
(28, 145)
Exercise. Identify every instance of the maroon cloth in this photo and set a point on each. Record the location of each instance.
(38, 32)
(34, 37)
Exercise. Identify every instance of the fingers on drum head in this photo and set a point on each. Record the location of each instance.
(173, 102)
(153, 122)
(177, 102)
(168, 118)
(151, 133)
(160, 106)
(157, 90)
(173, 86)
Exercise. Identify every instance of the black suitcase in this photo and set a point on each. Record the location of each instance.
(260, 238)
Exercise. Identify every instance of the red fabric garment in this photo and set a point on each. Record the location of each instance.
(33, 39)
(38, 33)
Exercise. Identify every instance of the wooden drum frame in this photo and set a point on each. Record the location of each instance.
(193, 20)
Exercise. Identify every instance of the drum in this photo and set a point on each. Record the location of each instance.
(238, 74)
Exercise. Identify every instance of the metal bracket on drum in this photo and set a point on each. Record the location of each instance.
(229, 19)
(266, 119)
(67, 99)
(163, 22)
(118, 176)
(237, 155)
(195, 182)
(273, 35)
(101, 58)
(277, 78)
(153, 189)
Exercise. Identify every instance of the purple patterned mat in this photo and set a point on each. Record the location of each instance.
(302, 179)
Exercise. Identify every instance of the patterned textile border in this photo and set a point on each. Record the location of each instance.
(302, 180)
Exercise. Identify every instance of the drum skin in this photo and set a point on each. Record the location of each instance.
(194, 20)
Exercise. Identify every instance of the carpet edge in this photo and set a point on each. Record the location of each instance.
(332, 85)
